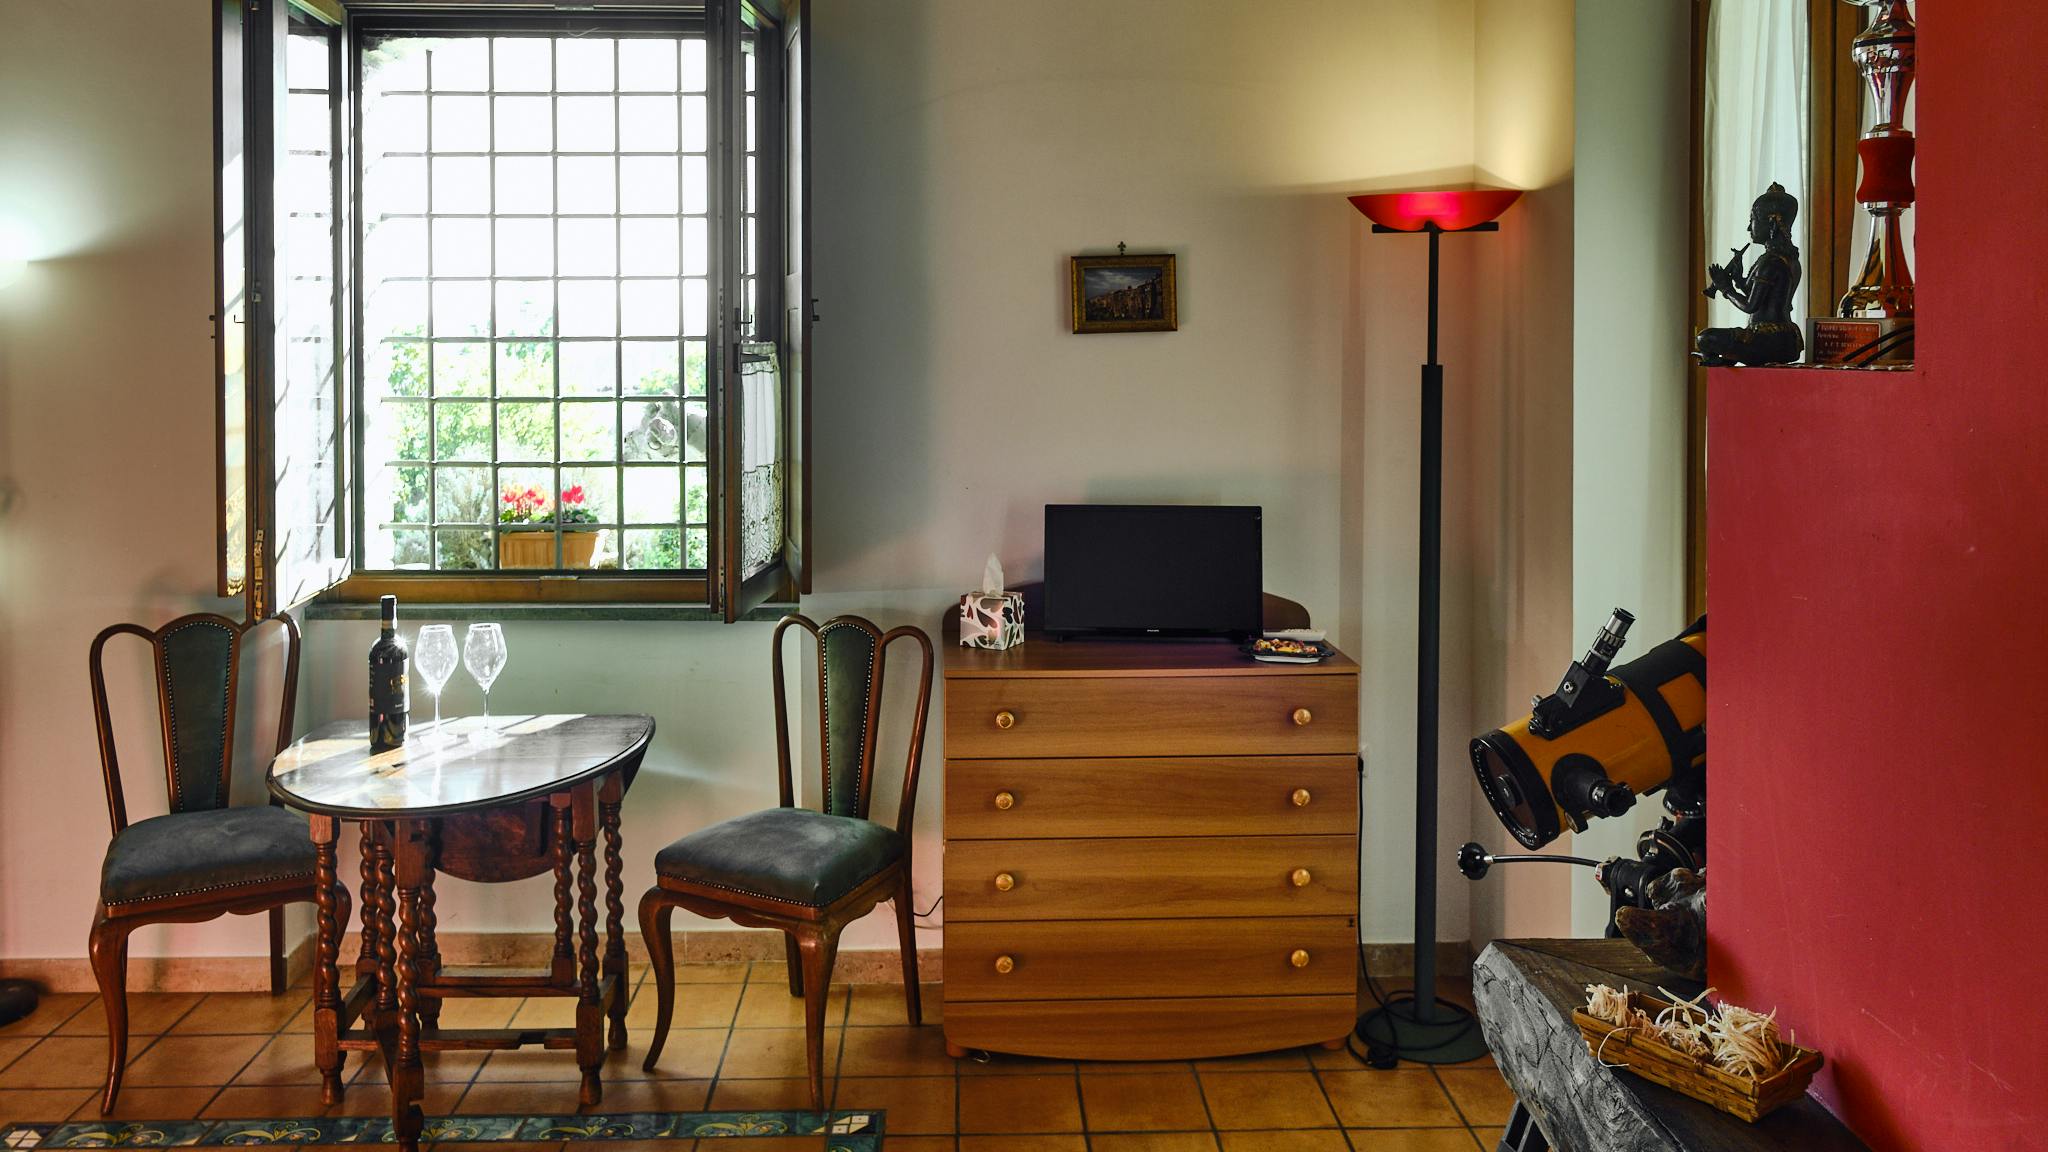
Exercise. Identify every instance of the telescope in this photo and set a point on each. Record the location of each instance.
(1606, 736)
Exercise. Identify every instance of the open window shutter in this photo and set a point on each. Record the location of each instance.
(756, 482)
(294, 218)
(230, 277)
(796, 294)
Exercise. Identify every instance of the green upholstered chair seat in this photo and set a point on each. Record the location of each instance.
(210, 851)
(792, 855)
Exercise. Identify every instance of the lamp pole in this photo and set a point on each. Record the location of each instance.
(1429, 629)
(1428, 1031)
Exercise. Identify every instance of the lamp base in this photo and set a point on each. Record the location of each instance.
(1393, 1032)
(17, 999)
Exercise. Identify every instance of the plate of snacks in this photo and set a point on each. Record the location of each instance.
(1297, 647)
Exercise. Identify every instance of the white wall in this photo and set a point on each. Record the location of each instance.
(1629, 344)
(1521, 433)
(106, 418)
(970, 149)
(962, 153)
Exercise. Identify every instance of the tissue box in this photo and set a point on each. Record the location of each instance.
(992, 620)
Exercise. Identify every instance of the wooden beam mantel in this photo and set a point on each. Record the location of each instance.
(1526, 990)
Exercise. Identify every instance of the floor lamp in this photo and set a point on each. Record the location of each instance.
(1421, 1027)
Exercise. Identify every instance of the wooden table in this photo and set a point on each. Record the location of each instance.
(1526, 989)
(529, 796)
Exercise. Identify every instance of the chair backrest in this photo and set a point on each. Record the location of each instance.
(197, 660)
(851, 662)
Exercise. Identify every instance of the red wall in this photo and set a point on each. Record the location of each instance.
(1878, 578)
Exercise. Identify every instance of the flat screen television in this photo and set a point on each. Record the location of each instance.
(1153, 569)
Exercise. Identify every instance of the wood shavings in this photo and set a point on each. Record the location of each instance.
(1684, 1025)
(1604, 1003)
(1738, 1040)
(1612, 1007)
(1746, 1042)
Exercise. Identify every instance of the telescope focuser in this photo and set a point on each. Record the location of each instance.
(1585, 691)
(1583, 789)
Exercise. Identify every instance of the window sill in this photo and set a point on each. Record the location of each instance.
(463, 613)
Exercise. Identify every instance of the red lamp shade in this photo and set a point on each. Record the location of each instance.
(1450, 210)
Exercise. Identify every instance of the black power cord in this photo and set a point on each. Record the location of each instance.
(1377, 1055)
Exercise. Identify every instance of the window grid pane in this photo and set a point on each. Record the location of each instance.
(558, 357)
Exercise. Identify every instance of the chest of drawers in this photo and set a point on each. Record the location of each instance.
(1151, 850)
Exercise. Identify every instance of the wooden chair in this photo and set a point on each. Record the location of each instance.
(806, 873)
(203, 858)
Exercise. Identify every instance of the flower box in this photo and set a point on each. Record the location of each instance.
(526, 528)
(535, 548)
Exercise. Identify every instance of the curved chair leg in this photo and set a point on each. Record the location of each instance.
(656, 914)
(906, 937)
(794, 962)
(817, 946)
(109, 949)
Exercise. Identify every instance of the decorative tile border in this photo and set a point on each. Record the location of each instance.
(848, 1131)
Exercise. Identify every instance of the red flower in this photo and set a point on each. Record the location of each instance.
(573, 495)
(523, 505)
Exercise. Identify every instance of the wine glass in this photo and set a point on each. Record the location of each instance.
(483, 653)
(433, 653)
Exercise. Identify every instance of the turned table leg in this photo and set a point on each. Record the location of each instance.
(562, 970)
(408, 1073)
(366, 955)
(331, 918)
(615, 967)
(386, 932)
(429, 962)
(589, 1007)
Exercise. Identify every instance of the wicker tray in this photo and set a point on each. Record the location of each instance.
(1696, 1076)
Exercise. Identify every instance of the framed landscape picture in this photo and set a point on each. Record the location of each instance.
(1125, 293)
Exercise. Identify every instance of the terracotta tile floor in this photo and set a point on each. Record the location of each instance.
(738, 1044)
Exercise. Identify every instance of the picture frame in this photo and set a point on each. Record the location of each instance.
(1125, 293)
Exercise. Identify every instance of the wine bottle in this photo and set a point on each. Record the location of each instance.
(389, 694)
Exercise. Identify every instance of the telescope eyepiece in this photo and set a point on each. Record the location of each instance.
(1608, 643)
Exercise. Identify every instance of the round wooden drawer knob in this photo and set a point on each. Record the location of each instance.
(1302, 716)
(1005, 881)
(1299, 877)
(1005, 965)
(1299, 958)
(1006, 719)
(1301, 797)
(1005, 801)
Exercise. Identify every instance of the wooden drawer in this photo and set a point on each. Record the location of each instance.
(1165, 877)
(1091, 959)
(1172, 1029)
(1194, 796)
(1152, 716)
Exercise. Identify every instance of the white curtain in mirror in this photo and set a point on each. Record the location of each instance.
(1758, 126)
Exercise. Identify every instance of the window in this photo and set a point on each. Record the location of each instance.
(528, 351)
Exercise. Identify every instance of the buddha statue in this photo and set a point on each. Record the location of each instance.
(1765, 291)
